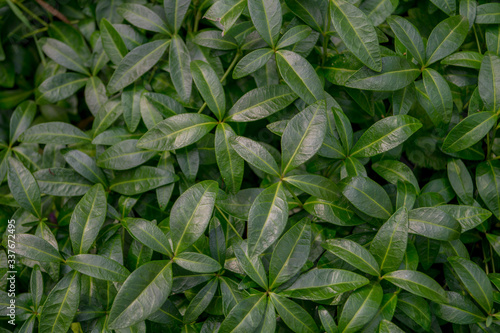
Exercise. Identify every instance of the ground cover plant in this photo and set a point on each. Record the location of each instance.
(250, 166)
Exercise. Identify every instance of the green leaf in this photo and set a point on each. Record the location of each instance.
(261, 102)
(124, 155)
(320, 284)
(300, 76)
(201, 301)
(252, 265)
(396, 73)
(231, 295)
(87, 219)
(252, 62)
(294, 35)
(144, 292)
(446, 38)
(24, 187)
(418, 284)
(61, 305)
(416, 308)
(54, 132)
(488, 13)
(197, 262)
(459, 310)
(239, 204)
(106, 116)
(209, 86)
(338, 212)
(447, 6)
(229, 162)
(354, 254)
(489, 82)
(461, 181)
(98, 267)
(312, 12)
(148, 234)
(112, 42)
(357, 32)
(175, 10)
(95, 94)
(36, 287)
(143, 17)
(267, 218)
(59, 87)
(384, 135)
(256, 154)
(136, 63)
(315, 185)
(290, 254)
(439, 93)
(226, 12)
(360, 308)
(21, 119)
(131, 103)
(433, 223)
(191, 213)
(245, 316)
(469, 217)
(389, 327)
(61, 182)
(266, 17)
(215, 40)
(327, 320)
(177, 132)
(394, 171)
(344, 129)
(367, 196)
(140, 180)
(469, 131)
(468, 59)
(63, 55)
(294, 316)
(36, 248)
(389, 244)
(488, 185)
(303, 136)
(180, 72)
(85, 166)
(475, 281)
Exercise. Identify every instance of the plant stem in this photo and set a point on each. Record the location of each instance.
(293, 194)
(477, 39)
(233, 63)
(29, 12)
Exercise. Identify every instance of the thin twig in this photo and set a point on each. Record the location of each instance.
(53, 11)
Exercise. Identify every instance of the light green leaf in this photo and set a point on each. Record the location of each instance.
(136, 63)
(98, 267)
(36, 248)
(85, 166)
(294, 316)
(360, 308)
(409, 36)
(252, 62)
(394, 171)
(209, 86)
(112, 42)
(230, 163)
(64, 55)
(446, 38)
(148, 234)
(54, 132)
(197, 262)
(252, 265)
(95, 94)
(256, 154)
(389, 244)
(354, 254)
(59, 87)
(180, 73)
(447, 6)
(315, 185)
(62, 182)
(143, 293)
(469, 131)
(21, 119)
(175, 10)
(434, 224)
(300, 76)
(124, 155)
(140, 180)
(488, 13)
(266, 17)
(418, 284)
(489, 82)
(191, 213)
(367, 196)
(177, 132)
(143, 17)
(261, 102)
(267, 218)
(87, 219)
(459, 310)
(245, 316)
(396, 73)
(24, 187)
(384, 135)
(303, 136)
(488, 185)
(357, 32)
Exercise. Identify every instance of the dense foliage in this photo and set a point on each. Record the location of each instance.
(250, 165)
